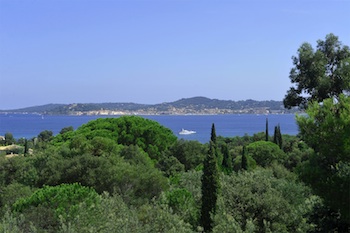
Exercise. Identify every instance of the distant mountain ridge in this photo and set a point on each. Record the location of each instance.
(185, 105)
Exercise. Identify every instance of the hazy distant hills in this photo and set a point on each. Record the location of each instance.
(182, 106)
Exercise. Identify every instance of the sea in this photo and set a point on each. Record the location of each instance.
(30, 125)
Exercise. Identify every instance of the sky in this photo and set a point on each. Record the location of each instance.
(155, 51)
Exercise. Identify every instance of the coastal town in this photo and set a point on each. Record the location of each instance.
(189, 106)
(179, 111)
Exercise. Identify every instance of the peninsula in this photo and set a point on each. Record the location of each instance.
(194, 105)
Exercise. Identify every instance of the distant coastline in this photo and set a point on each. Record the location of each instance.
(188, 106)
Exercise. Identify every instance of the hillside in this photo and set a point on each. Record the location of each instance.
(194, 105)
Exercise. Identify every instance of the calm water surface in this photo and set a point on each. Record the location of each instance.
(29, 126)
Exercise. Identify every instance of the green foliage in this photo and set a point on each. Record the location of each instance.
(237, 163)
(10, 193)
(135, 179)
(213, 134)
(10, 223)
(26, 147)
(264, 153)
(226, 223)
(135, 155)
(148, 135)
(326, 129)
(258, 137)
(158, 218)
(139, 184)
(244, 160)
(100, 146)
(210, 188)
(43, 140)
(182, 203)
(46, 206)
(62, 199)
(45, 136)
(190, 181)
(111, 214)
(267, 130)
(175, 186)
(18, 169)
(227, 159)
(277, 137)
(259, 200)
(326, 220)
(66, 130)
(170, 165)
(9, 139)
(297, 151)
(79, 145)
(319, 74)
(189, 153)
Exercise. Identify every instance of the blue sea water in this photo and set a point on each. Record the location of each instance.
(29, 126)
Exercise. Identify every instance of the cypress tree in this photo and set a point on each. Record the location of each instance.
(227, 160)
(267, 130)
(26, 147)
(210, 188)
(280, 140)
(244, 160)
(277, 136)
(213, 134)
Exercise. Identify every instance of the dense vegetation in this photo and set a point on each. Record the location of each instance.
(130, 174)
(105, 177)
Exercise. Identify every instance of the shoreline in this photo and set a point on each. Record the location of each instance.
(149, 114)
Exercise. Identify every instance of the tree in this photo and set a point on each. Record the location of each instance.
(213, 134)
(9, 139)
(46, 206)
(189, 153)
(170, 165)
(267, 130)
(182, 203)
(326, 130)
(277, 136)
(227, 159)
(147, 134)
(319, 74)
(26, 148)
(271, 199)
(244, 160)
(210, 188)
(111, 214)
(265, 153)
(66, 129)
(45, 136)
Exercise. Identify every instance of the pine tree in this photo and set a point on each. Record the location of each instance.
(210, 185)
(244, 160)
(267, 130)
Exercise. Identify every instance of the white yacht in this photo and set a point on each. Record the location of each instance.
(185, 132)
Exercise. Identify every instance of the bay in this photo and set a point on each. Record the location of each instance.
(29, 126)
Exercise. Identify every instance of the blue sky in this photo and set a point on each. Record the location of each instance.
(149, 51)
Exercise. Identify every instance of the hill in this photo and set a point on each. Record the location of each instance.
(194, 105)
